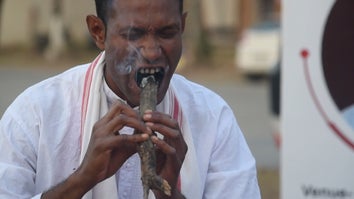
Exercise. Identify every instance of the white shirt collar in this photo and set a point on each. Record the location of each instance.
(111, 96)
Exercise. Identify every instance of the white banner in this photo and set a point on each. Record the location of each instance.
(317, 158)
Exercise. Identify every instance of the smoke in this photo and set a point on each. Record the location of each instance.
(133, 54)
(126, 65)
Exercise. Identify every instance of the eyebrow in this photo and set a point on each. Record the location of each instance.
(130, 28)
(172, 26)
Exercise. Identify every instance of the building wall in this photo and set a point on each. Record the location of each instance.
(18, 20)
(220, 13)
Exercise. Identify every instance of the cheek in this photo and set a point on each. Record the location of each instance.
(113, 50)
(115, 59)
(173, 51)
(115, 47)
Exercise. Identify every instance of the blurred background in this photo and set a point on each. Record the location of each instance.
(230, 46)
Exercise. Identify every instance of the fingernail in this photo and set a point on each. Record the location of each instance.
(149, 130)
(155, 138)
(148, 111)
(149, 124)
(147, 116)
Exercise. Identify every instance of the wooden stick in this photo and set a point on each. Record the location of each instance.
(146, 150)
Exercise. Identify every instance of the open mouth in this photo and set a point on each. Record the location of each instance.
(157, 73)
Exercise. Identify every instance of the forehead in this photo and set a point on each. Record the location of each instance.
(144, 11)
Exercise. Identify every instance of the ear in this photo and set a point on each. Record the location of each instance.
(184, 16)
(97, 30)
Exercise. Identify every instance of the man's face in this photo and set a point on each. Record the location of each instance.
(142, 37)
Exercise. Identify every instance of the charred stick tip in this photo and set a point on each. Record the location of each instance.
(149, 79)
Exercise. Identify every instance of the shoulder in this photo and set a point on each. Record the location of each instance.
(66, 83)
(183, 85)
(69, 79)
(201, 105)
(73, 75)
(51, 93)
(194, 94)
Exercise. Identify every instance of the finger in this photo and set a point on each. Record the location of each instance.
(162, 123)
(117, 109)
(122, 120)
(106, 127)
(158, 117)
(166, 131)
(125, 140)
(163, 146)
(121, 108)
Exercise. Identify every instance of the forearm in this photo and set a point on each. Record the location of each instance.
(74, 187)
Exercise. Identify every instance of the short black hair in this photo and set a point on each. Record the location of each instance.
(102, 8)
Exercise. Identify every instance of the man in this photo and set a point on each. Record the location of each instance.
(71, 136)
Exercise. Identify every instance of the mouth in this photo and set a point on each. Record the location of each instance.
(157, 73)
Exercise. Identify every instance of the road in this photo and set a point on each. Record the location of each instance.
(248, 100)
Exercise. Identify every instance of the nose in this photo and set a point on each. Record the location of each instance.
(150, 49)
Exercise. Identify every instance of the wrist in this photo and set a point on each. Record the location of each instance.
(74, 187)
(81, 182)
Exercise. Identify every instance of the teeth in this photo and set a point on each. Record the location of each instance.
(158, 74)
(150, 70)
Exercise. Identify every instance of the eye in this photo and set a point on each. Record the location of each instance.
(168, 33)
(133, 34)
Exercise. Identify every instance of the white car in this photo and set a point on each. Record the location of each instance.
(258, 51)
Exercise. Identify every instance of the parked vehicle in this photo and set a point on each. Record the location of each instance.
(275, 102)
(258, 51)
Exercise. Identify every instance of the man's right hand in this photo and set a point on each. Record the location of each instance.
(106, 153)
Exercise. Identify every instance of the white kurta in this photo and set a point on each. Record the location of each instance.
(40, 141)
